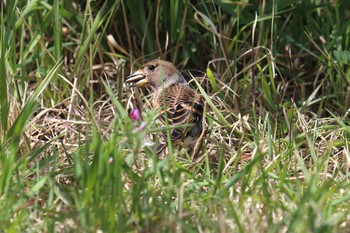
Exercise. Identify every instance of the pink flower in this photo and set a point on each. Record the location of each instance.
(135, 114)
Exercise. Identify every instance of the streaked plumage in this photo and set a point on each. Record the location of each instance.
(184, 106)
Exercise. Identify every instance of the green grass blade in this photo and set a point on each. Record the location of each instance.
(4, 104)
(57, 29)
(212, 80)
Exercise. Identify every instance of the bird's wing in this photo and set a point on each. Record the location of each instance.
(184, 108)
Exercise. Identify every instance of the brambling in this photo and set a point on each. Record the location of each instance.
(178, 105)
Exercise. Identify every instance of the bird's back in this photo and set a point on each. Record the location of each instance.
(183, 108)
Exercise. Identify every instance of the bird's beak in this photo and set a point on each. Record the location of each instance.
(137, 79)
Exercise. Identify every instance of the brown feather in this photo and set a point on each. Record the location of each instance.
(183, 107)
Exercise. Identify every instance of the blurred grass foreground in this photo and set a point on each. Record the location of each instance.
(275, 76)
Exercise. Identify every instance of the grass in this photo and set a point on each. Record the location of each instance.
(274, 75)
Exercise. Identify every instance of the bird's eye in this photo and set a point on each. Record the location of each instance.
(151, 67)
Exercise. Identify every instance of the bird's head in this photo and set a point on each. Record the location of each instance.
(156, 74)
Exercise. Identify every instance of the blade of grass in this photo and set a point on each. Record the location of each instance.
(4, 104)
(57, 29)
(212, 80)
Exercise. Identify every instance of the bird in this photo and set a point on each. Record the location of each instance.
(177, 104)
